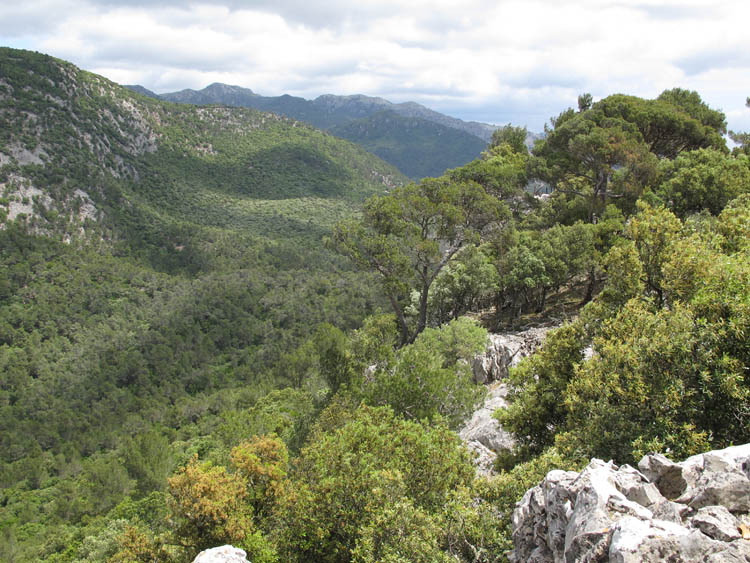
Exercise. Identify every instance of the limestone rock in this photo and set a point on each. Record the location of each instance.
(623, 514)
(223, 554)
(482, 433)
(504, 351)
(717, 523)
(483, 427)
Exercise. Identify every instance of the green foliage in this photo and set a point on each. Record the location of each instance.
(351, 476)
(411, 234)
(668, 371)
(515, 137)
(703, 179)
(535, 412)
(416, 146)
(431, 379)
(734, 224)
(469, 281)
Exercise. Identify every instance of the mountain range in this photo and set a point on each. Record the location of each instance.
(417, 140)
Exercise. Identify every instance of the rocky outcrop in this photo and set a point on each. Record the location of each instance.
(482, 433)
(504, 351)
(696, 510)
(223, 554)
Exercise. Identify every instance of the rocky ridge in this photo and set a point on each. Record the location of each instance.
(697, 510)
(482, 433)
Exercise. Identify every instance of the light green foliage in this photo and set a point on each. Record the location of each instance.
(670, 355)
(742, 139)
(349, 477)
(375, 342)
(734, 224)
(286, 413)
(514, 137)
(639, 394)
(703, 179)
(535, 412)
(401, 533)
(652, 231)
(502, 172)
(432, 377)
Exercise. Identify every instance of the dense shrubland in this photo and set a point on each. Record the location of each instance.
(202, 368)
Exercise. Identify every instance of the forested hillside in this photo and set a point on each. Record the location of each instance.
(222, 326)
(158, 261)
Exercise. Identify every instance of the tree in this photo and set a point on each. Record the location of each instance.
(515, 137)
(703, 179)
(535, 413)
(678, 120)
(595, 157)
(464, 285)
(349, 477)
(431, 378)
(742, 139)
(411, 234)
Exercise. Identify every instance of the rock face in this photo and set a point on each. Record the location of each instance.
(482, 434)
(505, 350)
(696, 510)
(223, 554)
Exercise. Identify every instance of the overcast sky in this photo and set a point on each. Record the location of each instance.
(495, 61)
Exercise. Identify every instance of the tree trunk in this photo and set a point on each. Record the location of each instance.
(590, 287)
(542, 300)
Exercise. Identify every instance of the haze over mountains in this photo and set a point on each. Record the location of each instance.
(419, 141)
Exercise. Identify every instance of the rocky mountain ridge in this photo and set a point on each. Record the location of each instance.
(325, 111)
(417, 140)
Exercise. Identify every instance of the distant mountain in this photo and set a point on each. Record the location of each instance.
(141, 90)
(432, 147)
(450, 147)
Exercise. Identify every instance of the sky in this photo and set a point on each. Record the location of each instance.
(519, 62)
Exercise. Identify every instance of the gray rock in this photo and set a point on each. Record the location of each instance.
(607, 513)
(670, 511)
(223, 554)
(504, 351)
(482, 433)
(665, 474)
(717, 523)
(483, 427)
(728, 489)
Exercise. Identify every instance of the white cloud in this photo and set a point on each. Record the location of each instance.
(499, 61)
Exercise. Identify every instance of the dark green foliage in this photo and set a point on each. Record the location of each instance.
(415, 146)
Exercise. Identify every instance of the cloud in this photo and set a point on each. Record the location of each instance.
(504, 60)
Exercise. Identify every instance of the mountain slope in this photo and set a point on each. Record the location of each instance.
(75, 141)
(158, 262)
(451, 145)
(433, 147)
